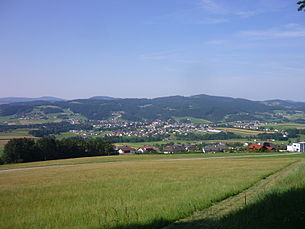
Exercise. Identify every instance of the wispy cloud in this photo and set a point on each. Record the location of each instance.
(161, 55)
(247, 14)
(212, 21)
(274, 33)
(215, 42)
(188, 16)
(217, 7)
(212, 6)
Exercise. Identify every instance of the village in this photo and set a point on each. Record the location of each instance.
(213, 147)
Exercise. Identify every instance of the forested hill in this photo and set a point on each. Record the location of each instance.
(213, 108)
(24, 99)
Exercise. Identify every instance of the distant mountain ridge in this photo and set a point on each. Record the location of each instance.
(103, 98)
(212, 108)
(25, 99)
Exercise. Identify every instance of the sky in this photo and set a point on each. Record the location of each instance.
(151, 48)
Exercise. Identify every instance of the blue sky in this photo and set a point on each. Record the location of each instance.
(144, 48)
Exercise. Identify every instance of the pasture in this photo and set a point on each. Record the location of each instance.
(124, 194)
(242, 132)
(16, 133)
(288, 125)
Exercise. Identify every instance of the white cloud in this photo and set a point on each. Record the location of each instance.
(215, 42)
(246, 14)
(278, 33)
(212, 21)
(162, 55)
(212, 6)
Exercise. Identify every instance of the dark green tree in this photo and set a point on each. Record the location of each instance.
(20, 150)
(47, 148)
(301, 5)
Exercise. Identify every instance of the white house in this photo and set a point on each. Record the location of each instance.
(296, 147)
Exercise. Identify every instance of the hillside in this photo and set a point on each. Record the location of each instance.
(212, 108)
(25, 99)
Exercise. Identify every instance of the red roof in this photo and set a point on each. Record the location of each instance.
(254, 147)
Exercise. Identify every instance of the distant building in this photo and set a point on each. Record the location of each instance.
(126, 149)
(296, 147)
(213, 148)
(147, 149)
(174, 148)
(262, 147)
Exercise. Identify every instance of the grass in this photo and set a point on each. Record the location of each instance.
(288, 125)
(146, 193)
(129, 157)
(287, 197)
(3, 142)
(154, 143)
(242, 132)
(70, 134)
(66, 135)
(193, 120)
(277, 201)
(18, 132)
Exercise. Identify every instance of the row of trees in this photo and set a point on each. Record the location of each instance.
(118, 139)
(218, 136)
(47, 129)
(27, 150)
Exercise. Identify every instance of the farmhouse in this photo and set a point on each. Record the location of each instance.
(147, 149)
(213, 148)
(296, 147)
(261, 147)
(126, 149)
(174, 148)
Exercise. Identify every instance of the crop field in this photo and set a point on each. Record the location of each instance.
(242, 132)
(124, 194)
(18, 132)
(140, 157)
(3, 142)
(277, 201)
(193, 120)
(286, 126)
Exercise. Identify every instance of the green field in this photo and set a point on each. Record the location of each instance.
(17, 132)
(130, 193)
(274, 202)
(288, 125)
(135, 157)
(193, 120)
(241, 132)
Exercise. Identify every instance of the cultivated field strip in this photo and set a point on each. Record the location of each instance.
(203, 219)
(149, 194)
(84, 161)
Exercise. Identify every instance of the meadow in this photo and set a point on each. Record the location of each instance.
(242, 132)
(124, 194)
(136, 157)
(287, 125)
(24, 132)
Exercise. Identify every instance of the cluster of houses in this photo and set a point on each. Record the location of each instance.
(266, 146)
(209, 148)
(143, 149)
(296, 147)
(176, 148)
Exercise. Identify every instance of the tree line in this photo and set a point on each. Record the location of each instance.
(46, 129)
(218, 136)
(29, 150)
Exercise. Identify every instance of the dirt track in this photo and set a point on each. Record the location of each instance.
(203, 219)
